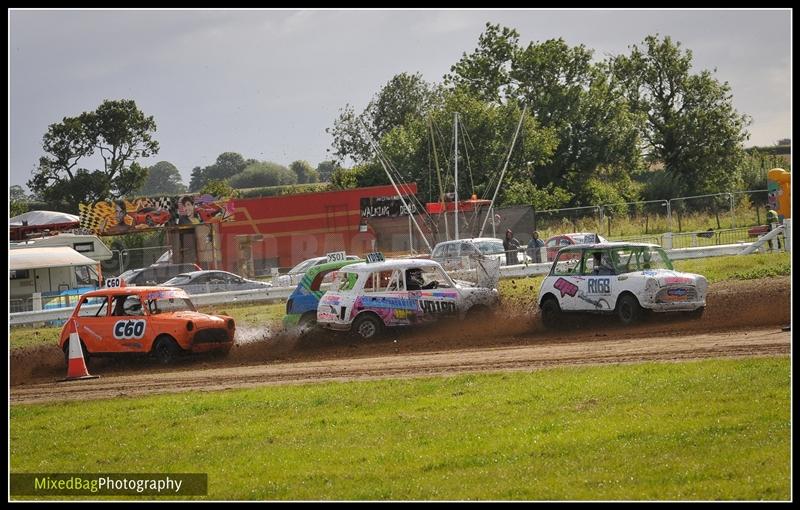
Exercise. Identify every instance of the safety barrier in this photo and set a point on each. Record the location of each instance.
(282, 293)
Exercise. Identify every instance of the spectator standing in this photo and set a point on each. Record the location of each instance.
(511, 246)
(534, 247)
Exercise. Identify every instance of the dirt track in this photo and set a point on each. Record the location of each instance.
(742, 319)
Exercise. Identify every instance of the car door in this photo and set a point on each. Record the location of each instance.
(129, 325)
(390, 299)
(439, 301)
(93, 323)
(596, 284)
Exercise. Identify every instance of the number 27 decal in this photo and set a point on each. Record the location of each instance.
(129, 329)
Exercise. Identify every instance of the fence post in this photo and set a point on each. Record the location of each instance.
(733, 211)
(666, 239)
(37, 301)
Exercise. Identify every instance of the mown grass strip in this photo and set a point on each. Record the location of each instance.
(707, 430)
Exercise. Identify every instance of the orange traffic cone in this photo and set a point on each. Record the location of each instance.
(76, 367)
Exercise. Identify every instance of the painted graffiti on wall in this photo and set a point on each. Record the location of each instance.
(123, 216)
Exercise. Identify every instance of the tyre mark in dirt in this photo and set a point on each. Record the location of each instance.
(763, 342)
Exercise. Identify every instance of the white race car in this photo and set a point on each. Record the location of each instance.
(620, 278)
(368, 296)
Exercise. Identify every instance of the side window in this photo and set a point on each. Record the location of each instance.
(452, 250)
(567, 264)
(552, 243)
(564, 241)
(588, 263)
(379, 281)
(468, 249)
(87, 307)
(438, 251)
(133, 306)
(396, 282)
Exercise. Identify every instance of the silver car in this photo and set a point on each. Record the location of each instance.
(454, 255)
(206, 282)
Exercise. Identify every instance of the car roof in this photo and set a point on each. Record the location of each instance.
(202, 272)
(332, 266)
(389, 264)
(470, 239)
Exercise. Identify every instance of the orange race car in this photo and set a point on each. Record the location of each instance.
(160, 321)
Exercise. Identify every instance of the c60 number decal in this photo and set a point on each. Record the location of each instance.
(129, 329)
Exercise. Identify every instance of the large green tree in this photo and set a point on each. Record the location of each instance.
(163, 178)
(404, 98)
(118, 132)
(691, 124)
(263, 173)
(304, 171)
(226, 166)
(597, 134)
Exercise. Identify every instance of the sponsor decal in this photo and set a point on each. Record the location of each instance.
(167, 294)
(566, 288)
(437, 307)
(677, 279)
(388, 302)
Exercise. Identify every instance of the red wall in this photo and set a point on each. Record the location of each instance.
(296, 227)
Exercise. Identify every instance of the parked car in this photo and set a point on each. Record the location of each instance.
(555, 243)
(159, 321)
(156, 274)
(369, 296)
(451, 254)
(301, 308)
(296, 273)
(618, 278)
(208, 281)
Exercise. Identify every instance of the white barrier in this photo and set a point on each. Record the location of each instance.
(281, 293)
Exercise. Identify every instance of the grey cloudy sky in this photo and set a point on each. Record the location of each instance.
(267, 83)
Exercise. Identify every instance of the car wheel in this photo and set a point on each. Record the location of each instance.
(628, 309)
(479, 313)
(551, 313)
(367, 327)
(307, 324)
(165, 350)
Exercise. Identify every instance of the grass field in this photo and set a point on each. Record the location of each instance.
(518, 293)
(706, 430)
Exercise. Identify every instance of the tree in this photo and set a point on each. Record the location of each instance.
(261, 174)
(304, 171)
(565, 92)
(163, 178)
(218, 189)
(325, 169)
(118, 131)
(18, 200)
(403, 98)
(226, 166)
(691, 124)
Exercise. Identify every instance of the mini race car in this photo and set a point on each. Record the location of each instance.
(159, 321)
(150, 216)
(618, 278)
(369, 296)
(301, 308)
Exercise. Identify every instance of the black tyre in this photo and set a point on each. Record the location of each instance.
(166, 350)
(367, 327)
(628, 309)
(307, 324)
(551, 313)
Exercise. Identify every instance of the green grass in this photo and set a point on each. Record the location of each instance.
(707, 430)
(737, 267)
